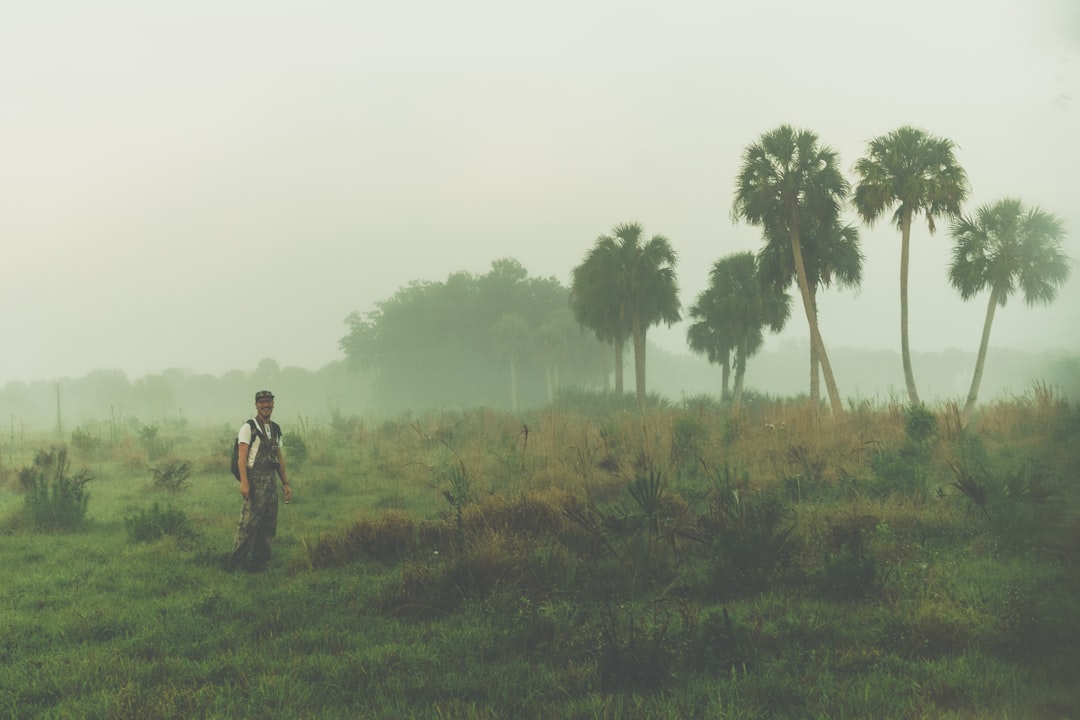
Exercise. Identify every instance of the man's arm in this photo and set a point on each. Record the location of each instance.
(242, 461)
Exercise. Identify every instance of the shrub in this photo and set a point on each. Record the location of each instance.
(154, 446)
(296, 450)
(155, 523)
(1020, 500)
(636, 651)
(86, 444)
(388, 539)
(173, 476)
(54, 500)
(749, 536)
(719, 643)
(689, 435)
(919, 423)
(903, 471)
(848, 574)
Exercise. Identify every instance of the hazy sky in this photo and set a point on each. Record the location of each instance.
(204, 184)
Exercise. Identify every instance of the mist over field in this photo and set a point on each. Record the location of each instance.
(202, 186)
(334, 391)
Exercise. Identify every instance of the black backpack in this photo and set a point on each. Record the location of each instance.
(275, 431)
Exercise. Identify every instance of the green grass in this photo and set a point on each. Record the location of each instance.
(383, 602)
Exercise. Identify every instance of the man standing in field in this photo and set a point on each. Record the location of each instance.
(261, 464)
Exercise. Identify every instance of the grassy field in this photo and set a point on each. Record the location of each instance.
(586, 560)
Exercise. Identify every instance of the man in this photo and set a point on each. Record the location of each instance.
(261, 464)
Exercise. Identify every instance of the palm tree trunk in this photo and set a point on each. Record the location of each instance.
(639, 360)
(811, 319)
(980, 361)
(725, 374)
(905, 347)
(815, 362)
(740, 372)
(618, 366)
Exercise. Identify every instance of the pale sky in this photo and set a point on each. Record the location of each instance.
(204, 184)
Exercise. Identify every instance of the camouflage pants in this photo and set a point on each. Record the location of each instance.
(258, 520)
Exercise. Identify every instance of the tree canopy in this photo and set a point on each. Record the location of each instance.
(472, 341)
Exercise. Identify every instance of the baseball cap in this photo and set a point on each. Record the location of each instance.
(264, 395)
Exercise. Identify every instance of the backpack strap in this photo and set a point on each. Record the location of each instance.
(275, 430)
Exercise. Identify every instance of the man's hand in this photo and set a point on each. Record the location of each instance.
(288, 493)
(245, 489)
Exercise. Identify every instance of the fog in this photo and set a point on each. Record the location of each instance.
(202, 185)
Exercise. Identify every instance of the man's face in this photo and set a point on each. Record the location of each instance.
(264, 408)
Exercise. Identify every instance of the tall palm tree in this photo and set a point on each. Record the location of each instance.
(627, 285)
(732, 313)
(915, 172)
(830, 251)
(785, 179)
(1006, 248)
(595, 301)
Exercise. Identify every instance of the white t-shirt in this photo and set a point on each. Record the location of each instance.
(253, 446)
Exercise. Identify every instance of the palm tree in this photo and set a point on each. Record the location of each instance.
(829, 252)
(733, 311)
(1006, 247)
(787, 179)
(711, 336)
(915, 172)
(594, 300)
(625, 286)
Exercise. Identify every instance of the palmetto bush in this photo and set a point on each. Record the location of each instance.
(173, 476)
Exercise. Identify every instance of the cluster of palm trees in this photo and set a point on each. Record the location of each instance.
(791, 186)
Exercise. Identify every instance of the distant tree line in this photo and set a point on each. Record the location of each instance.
(501, 339)
(116, 405)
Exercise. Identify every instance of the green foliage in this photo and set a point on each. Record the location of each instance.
(85, 444)
(1020, 499)
(749, 537)
(907, 469)
(154, 445)
(296, 450)
(173, 476)
(901, 472)
(433, 346)
(154, 523)
(637, 651)
(849, 574)
(344, 426)
(720, 644)
(389, 539)
(688, 436)
(919, 424)
(731, 315)
(596, 404)
(648, 492)
(52, 499)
